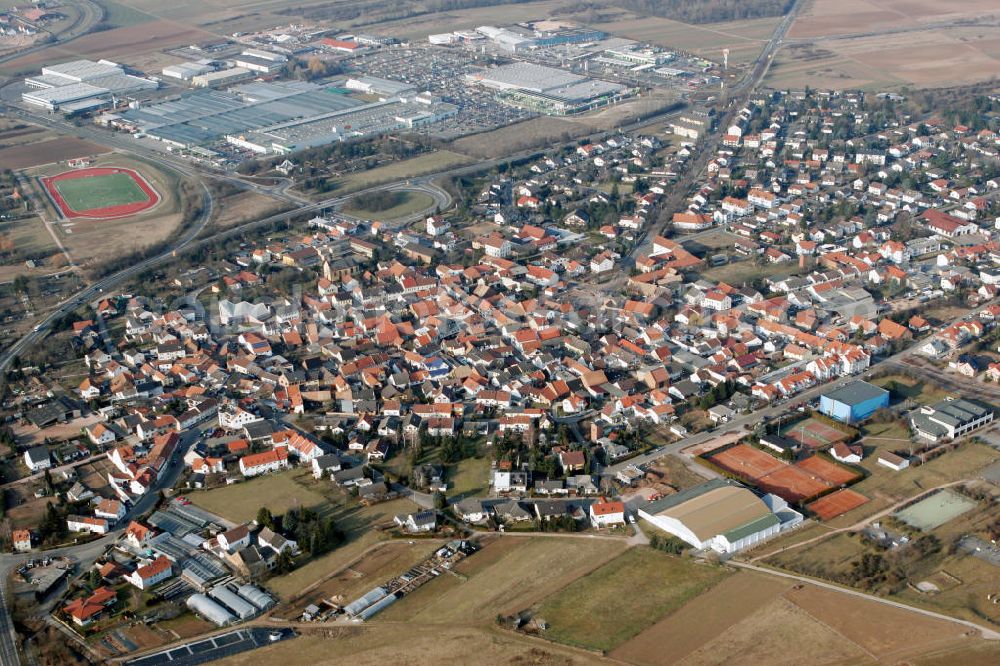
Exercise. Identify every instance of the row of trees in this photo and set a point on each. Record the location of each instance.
(331, 11)
(708, 11)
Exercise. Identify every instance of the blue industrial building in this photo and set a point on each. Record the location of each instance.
(854, 402)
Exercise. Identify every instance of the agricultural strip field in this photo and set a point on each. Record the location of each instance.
(594, 613)
(356, 522)
(887, 633)
(379, 644)
(744, 39)
(701, 619)
(826, 18)
(374, 568)
(875, 44)
(46, 152)
(122, 43)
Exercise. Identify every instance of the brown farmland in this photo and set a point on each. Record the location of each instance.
(46, 152)
(118, 43)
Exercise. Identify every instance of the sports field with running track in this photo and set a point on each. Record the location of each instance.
(101, 193)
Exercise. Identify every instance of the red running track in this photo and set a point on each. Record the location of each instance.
(107, 212)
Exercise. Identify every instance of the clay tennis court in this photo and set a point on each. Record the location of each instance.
(828, 471)
(814, 434)
(745, 461)
(100, 193)
(792, 484)
(837, 503)
(772, 475)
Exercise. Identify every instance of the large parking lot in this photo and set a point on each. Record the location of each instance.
(442, 71)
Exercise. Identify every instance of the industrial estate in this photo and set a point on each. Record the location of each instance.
(486, 333)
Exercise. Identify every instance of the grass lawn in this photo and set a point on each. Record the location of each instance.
(598, 611)
(469, 477)
(439, 160)
(410, 203)
(963, 462)
(29, 236)
(738, 272)
(89, 192)
(241, 501)
(893, 433)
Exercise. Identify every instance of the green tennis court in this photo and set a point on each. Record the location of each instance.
(935, 510)
(103, 191)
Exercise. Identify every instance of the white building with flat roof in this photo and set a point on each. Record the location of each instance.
(721, 515)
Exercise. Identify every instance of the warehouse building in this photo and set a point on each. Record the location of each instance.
(185, 71)
(853, 402)
(263, 62)
(276, 117)
(222, 78)
(546, 89)
(372, 85)
(721, 515)
(949, 419)
(81, 86)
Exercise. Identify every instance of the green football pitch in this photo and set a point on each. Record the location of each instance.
(90, 192)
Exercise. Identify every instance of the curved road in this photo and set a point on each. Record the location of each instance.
(90, 15)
